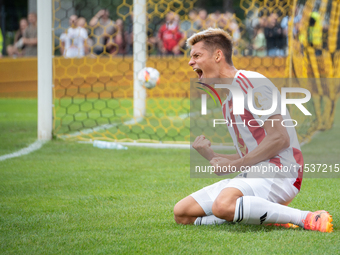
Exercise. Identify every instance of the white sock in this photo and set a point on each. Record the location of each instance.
(209, 220)
(256, 210)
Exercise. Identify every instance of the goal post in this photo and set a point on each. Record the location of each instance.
(45, 71)
(139, 57)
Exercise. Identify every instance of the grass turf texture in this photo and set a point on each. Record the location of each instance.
(18, 124)
(76, 199)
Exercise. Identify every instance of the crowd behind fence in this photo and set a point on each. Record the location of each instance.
(262, 35)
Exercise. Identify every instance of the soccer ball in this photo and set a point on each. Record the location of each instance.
(148, 77)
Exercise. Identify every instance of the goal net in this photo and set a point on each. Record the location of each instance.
(95, 88)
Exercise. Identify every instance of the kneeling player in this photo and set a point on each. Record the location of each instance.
(245, 199)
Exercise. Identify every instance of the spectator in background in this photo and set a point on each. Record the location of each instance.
(214, 19)
(65, 39)
(17, 49)
(81, 22)
(275, 39)
(129, 28)
(315, 33)
(118, 44)
(284, 25)
(30, 36)
(257, 20)
(152, 42)
(259, 42)
(232, 27)
(202, 19)
(74, 41)
(81, 26)
(103, 30)
(170, 39)
(191, 25)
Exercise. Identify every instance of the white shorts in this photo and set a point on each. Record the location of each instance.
(277, 190)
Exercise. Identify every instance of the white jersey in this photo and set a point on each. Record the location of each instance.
(248, 133)
(74, 40)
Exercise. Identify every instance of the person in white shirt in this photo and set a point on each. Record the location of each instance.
(74, 40)
(249, 198)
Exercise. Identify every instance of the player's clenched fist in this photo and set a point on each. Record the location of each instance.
(222, 165)
(203, 147)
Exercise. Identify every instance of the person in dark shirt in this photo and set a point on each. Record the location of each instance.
(17, 49)
(276, 40)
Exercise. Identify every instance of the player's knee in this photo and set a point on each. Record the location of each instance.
(179, 210)
(180, 214)
(224, 210)
(183, 220)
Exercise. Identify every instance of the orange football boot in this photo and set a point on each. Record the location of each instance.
(319, 221)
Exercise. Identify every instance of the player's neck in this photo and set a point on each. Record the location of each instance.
(228, 72)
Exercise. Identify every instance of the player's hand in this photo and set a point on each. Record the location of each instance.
(203, 147)
(223, 166)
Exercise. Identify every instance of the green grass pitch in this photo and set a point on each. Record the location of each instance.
(70, 198)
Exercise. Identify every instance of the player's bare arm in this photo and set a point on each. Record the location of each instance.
(231, 157)
(276, 140)
(203, 147)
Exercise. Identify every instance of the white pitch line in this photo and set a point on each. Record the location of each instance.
(101, 127)
(32, 147)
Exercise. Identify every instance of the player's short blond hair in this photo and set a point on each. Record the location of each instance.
(214, 38)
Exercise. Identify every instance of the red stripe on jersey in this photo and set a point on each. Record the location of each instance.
(276, 161)
(299, 159)
(257, 132)
(251, 85)
(245, 84)
(224, 106)
(224, 111)
(237, 133)
(239, 83)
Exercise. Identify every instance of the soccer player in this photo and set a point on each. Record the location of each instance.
(244, 199)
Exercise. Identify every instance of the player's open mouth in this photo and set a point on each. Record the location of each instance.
(199, 73)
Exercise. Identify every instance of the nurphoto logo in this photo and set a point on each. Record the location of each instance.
(238, 99)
